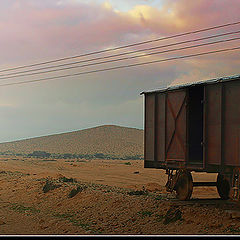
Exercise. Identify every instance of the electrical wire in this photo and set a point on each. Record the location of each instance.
(122, 54)
(122, 47)
(120, 59)
(119, 67)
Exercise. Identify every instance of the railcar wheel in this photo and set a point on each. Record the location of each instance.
(184, 185)
(223, 187)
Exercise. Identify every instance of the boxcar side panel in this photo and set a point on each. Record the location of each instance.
(213, 119)
(231, 123)
(149, 137)
(160, 127)
(176, 126)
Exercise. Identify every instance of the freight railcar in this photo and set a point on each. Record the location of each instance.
(195, 127)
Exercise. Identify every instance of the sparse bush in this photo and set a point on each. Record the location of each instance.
(39, 154)
(24, 209)
(144, 214)
(49, 186)
(138, 192)
(134, 157)
(99, 155)
(67, 156)
(64, 179)
(43, 154)
(75, 191)
(49, 160)
(172, 215)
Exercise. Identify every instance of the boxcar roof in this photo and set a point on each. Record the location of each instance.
(211, 81)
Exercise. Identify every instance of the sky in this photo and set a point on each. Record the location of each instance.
(34, 31)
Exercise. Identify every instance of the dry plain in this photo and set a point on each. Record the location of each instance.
(103, 197)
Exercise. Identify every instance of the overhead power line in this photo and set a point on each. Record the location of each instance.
(121, 59)
(122, 47)
(120, 67)
(121, 54)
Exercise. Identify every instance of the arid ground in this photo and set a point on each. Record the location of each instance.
(102, 197)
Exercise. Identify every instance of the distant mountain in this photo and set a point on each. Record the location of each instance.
(106, 139)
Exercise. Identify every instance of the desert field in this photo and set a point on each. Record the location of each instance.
(104, 197)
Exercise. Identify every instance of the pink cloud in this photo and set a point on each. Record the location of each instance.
(32, 33)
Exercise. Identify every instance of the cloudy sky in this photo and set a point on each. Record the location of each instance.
(34, 31)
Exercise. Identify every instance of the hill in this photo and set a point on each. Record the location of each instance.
(106, 139)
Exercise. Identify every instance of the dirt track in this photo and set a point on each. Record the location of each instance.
(113, 197)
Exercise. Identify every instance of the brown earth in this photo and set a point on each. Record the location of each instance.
(113, 197)
(106, 139)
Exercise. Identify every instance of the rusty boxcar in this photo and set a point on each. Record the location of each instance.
(195, 127)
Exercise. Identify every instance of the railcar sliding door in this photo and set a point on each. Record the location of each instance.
(176, 120)
(165, 128)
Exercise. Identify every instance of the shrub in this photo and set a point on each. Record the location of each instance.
(99, 155)
(39, 154)
(64, 179)
(75, 191)
(138, 192)
(49, 186)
